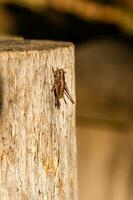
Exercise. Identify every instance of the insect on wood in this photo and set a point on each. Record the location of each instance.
(60, 88)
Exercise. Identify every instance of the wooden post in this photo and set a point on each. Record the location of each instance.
(37, 140)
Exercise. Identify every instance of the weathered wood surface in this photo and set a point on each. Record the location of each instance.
(37, 141)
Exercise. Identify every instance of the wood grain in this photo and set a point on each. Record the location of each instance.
(37, 141)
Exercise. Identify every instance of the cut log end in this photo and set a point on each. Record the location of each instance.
(27, 45)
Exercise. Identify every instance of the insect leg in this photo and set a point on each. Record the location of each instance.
(57, 101)
(53, 70)
(67, 94)
(64, 99)
(53, 88)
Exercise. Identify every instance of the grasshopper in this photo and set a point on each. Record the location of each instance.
(60, 88)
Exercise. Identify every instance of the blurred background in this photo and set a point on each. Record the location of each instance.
(102, 31)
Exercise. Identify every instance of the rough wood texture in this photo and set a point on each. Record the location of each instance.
(37, 141)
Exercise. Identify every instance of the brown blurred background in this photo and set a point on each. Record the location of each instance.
(102, 31)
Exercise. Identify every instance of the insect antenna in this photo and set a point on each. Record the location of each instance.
(67, 67)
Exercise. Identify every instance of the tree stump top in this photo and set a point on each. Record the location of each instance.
(27, 45)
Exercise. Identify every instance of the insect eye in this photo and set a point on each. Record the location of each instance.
(61, 72)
